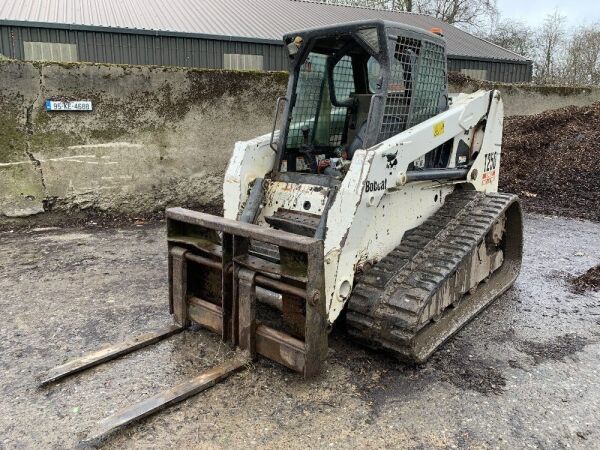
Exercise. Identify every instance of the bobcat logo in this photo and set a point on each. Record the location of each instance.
(372, 186)
(392, 160)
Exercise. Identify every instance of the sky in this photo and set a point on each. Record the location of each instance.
(532, 12)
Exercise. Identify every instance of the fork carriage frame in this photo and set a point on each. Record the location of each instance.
(200, 243)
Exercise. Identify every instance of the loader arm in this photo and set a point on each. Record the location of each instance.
(250, 160)
(378, 202)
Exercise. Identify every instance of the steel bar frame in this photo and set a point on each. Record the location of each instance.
(234, 317)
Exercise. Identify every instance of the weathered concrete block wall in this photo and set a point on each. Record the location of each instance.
(526, 99)
(156, 136)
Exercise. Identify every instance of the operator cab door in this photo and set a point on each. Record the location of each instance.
(329, 105)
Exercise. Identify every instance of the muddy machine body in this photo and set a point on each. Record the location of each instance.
(376, 200)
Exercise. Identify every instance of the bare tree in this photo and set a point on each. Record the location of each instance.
(472, 14)
(388, 5)
(582, 65)
(514, 36)
(550, 39)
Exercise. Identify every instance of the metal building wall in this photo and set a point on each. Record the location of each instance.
(129, 48)
(500, 71)
(147, 48)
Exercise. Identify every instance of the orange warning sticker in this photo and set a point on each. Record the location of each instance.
(488, 177)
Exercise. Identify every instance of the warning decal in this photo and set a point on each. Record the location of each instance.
(438, 129)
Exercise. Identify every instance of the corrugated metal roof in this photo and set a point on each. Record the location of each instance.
(264, 20)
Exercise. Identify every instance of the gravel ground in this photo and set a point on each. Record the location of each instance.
(523, 374)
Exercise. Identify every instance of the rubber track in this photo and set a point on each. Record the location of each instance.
(390, 306)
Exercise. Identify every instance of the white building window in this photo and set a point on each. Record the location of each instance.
(476, 74)
(50, 51)
(235, 61)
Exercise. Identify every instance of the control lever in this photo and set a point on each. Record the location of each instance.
(305, 129)
(308, 150)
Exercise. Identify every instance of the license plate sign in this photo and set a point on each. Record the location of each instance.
(78, 105)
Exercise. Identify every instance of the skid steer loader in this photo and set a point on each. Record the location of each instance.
(376, 199)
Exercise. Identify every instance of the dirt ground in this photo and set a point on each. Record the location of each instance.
(588, 281)
(524, 374)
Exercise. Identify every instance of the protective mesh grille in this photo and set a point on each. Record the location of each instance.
(313, 105)
(311, 81)
(343, 81)
(417, 82)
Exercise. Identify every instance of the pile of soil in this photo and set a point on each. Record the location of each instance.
(551, 160)
(589, 281)
(458, 78)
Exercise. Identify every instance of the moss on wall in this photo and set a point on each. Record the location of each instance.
(155, 135)
(12, 138)
(460, 82)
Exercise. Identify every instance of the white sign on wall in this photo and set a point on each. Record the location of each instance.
(78, 105)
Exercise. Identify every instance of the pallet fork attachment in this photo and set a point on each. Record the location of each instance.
(215, 280)
(108, 353)
(176, 394)
(215, 273)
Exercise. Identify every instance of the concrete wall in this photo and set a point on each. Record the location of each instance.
(157, 136)
(526, 99)
(506, 72)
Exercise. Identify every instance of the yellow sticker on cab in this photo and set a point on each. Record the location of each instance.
(438, 129)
